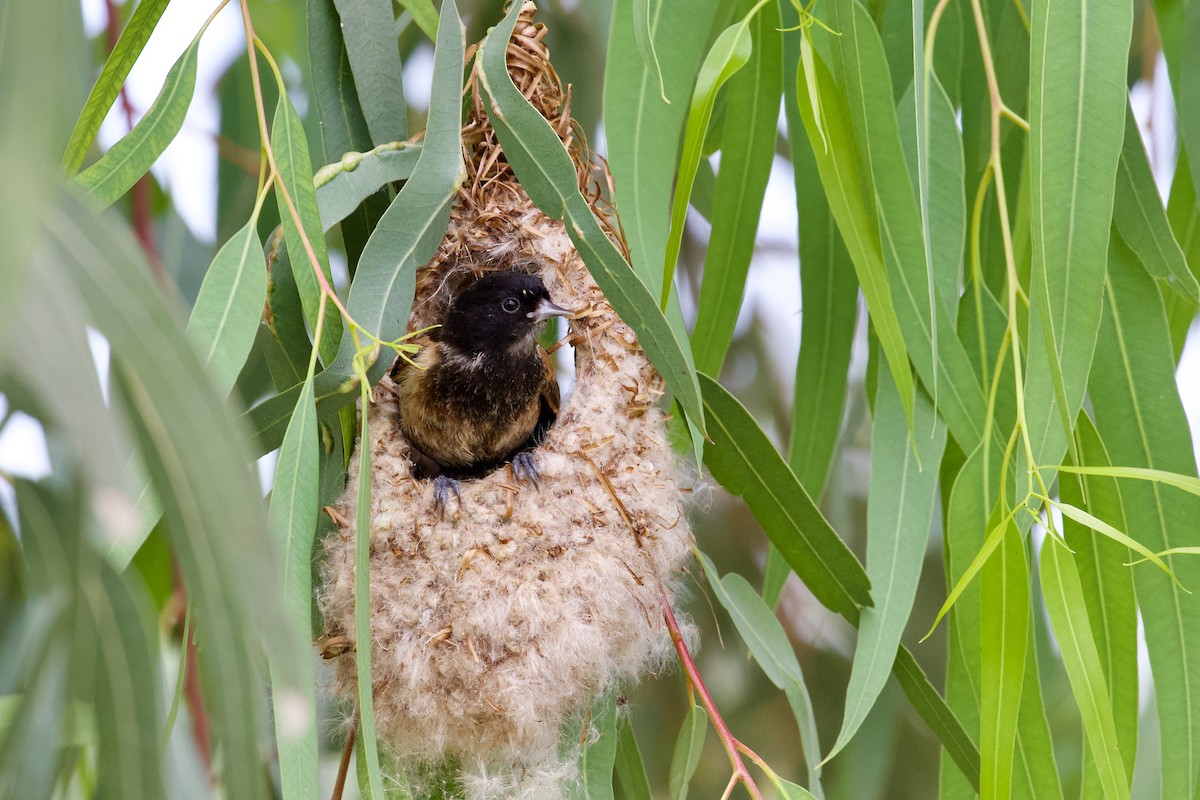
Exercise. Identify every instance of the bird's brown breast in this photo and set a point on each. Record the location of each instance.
(467, 413)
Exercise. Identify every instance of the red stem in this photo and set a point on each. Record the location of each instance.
(139, 196)
(728, 740)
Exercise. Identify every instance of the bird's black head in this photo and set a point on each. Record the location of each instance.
(500, 311)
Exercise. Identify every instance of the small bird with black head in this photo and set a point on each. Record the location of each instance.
(481, 391)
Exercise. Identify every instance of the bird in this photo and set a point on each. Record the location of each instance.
(481, 391)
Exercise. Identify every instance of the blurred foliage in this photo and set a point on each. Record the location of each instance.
(990, 299)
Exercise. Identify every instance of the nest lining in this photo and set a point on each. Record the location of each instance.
(493, 625)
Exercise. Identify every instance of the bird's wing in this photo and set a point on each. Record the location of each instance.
(548, 397)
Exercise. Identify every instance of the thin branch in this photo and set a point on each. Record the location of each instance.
(728, 741)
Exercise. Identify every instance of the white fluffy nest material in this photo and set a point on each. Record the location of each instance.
(493, 626)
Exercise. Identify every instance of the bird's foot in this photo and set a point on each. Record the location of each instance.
(524, 467)
(443, 485)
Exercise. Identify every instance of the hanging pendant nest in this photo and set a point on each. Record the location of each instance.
(493, 625)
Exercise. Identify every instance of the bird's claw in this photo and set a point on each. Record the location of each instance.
(443, 485)
(524, 467)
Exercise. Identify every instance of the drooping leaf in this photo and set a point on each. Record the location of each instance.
(293, 515)
(369, 31)
(631, 770)
(1081, 659)
(596, 756)
(290, 147)
(751, 119)
(224, 320)
(424, 15)
(899, 514)
(130, 158)
(548, 175)
(112, 77)
(728, 54)
(688, 748)
(745, 462)
(1141, 421)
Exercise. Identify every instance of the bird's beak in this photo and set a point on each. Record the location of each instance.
(545, 310)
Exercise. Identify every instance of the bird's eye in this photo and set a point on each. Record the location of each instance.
(510, 304)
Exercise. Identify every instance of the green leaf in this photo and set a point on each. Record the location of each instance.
(900, 506)
(728, 54)
(1004, 639)
(597, 757)
(631, 771)
(751, 120)
(112, 77)
(688, 748)
(745, 462)
(362, 600)
(771, 648)
(941, 719)
(829, 298)
(197, 460)
(642, 129)
(645, 43)
(1187, 483)
(224, 320)
(1108, 595)
(406, 238)
(424, 15)
(1142, 422)
(293, 515)
(1077, 110)
(839, 171)
(126, 696)
(1081, 659)
(789, 790)
(130, 158)
(369, 31)
(1100, 526)
(546, 172)
(343, 185)
(343, 128)
(290, 147)
(1141, 219)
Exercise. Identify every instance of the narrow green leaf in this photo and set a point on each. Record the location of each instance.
(290, 147)
(424, 15)
(112, 77)
(598, 756)
(1142, 422)
(1100, 526)
(1139, 215)
(1183, 213)
(343, 128)
(1081, 659)
(745, 462)
(641, 128)
(645, 43)
(1108, 596)
(688, 748)
(631, 770)
(198, 463)
(789, 790)
(771, 648)
(728, 54)
(126, 696)
(751, 122)
(1077, 108)
(293, 515)
(224, 320)
(369, 30)
(548, 176)
(829, 298)
(838, 168)
(343, 185)
(1187, 483)
(940, 718)
(130, 158)
(362, 601)
(903, 488)
(1004, 639)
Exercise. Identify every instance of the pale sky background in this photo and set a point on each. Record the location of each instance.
(773, 290)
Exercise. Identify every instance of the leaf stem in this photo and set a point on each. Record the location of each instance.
(733, 747)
